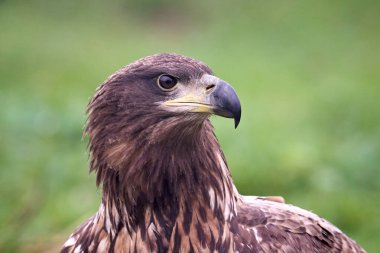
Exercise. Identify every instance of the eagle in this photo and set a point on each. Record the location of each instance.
(166, 185)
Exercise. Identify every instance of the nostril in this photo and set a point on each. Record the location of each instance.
(210, 87)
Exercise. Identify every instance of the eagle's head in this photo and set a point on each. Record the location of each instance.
(152, 115)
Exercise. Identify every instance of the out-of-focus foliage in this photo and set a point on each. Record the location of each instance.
(307, 72)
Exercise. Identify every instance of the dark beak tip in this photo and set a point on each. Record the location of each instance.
(237, 120)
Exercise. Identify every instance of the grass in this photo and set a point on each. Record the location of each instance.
(306, 72)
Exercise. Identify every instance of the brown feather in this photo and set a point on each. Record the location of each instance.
(166, 185)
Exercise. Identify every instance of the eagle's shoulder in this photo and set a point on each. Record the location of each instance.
(267, 226)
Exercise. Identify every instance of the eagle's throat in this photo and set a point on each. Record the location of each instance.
(168, 186)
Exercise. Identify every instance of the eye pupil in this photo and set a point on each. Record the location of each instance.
(167, 82)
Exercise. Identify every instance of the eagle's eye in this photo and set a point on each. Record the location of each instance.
(166, 82)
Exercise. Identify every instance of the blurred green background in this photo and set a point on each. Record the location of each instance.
(307, 72)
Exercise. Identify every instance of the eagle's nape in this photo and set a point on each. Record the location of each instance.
(166, 184)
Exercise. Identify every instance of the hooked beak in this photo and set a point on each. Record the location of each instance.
(213, 96)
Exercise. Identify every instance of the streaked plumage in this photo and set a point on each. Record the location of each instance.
(166, 184)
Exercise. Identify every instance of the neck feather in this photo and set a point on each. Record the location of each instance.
(155, 186)
(162, 165)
